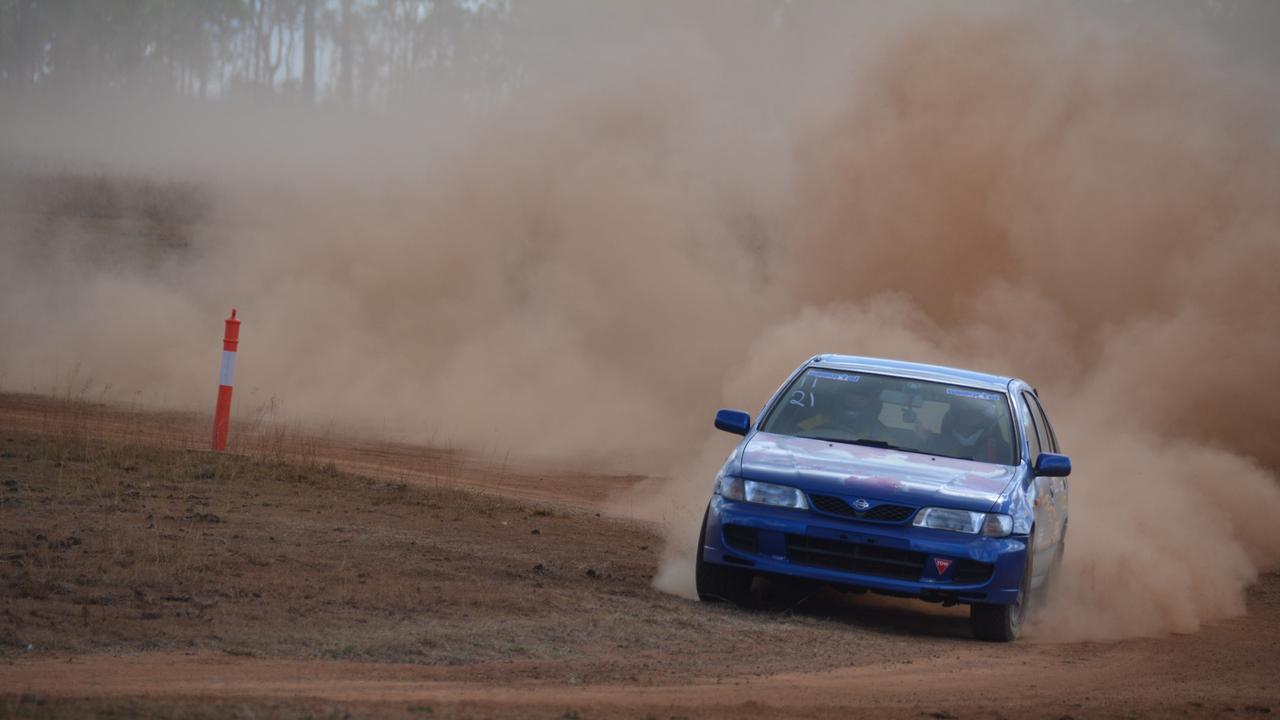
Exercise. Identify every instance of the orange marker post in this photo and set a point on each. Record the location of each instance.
(222, 414)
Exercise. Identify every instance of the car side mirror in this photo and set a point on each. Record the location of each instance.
(733, 421)
(1053, 465)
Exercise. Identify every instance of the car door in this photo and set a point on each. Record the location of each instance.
(1040, 490)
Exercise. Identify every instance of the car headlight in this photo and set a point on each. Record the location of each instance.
(761, 492)
(964, 521)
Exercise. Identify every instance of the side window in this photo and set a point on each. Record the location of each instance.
(1043, 418)
(1030, 430)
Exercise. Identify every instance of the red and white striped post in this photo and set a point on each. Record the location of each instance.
(222, 415)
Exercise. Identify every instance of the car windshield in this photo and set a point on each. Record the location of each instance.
(899, 413)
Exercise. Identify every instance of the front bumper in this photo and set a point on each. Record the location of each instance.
(875, 556)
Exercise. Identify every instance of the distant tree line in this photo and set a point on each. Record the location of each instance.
(355, 53)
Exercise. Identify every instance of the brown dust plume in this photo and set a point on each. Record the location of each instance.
(673, 211)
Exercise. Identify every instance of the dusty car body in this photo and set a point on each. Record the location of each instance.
(899, 478)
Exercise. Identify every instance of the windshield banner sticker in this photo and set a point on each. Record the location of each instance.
(842, 377)
(976, 394)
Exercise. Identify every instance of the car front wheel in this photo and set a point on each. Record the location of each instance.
(719, 582)
(1003, 623)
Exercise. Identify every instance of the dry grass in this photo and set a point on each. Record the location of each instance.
(109, 544)
(247, 554)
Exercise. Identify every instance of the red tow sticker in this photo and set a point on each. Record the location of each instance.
(941, 564)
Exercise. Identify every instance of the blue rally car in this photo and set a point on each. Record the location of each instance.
(900, 478)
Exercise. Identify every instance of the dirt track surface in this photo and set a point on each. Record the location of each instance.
(141, 578)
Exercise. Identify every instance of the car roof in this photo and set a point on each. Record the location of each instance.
(918, 371)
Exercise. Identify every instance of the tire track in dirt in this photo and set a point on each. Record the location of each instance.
(1225, 670)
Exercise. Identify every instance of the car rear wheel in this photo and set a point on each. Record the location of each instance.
(1003, 623)
(719, 582)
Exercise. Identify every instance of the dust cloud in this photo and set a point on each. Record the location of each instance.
(678, 206)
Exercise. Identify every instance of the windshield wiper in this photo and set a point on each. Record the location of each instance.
(865, 442)
(883, 445)
(825, 439)
(937, 454)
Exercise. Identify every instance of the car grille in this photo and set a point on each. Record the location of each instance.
(969, 572)
(860, 558)
(743, 538)
(880, 513)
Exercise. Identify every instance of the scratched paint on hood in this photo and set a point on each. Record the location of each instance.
(886, 475)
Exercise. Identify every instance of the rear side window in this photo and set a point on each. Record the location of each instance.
(1043, 419)
(1029, 426)
(1042, 427)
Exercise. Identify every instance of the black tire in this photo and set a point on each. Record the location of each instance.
(1003, 623)
(719, 582)
(995, 623)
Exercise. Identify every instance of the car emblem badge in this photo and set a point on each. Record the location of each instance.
(941, 564)
(861, 504)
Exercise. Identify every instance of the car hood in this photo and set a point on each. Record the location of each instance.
(874, 473)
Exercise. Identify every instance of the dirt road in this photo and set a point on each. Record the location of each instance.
(326, 577)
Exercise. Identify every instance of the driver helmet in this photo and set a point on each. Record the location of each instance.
(857, 403)
(858, 406)
(970, 422)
